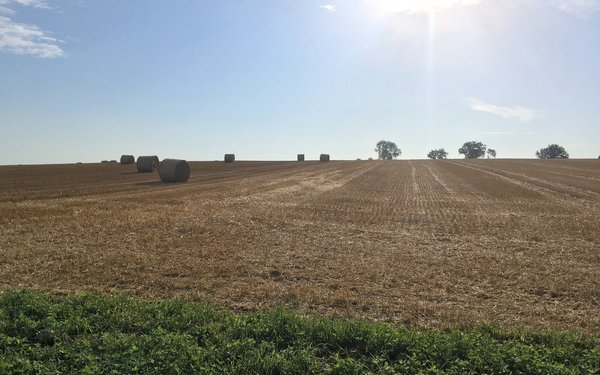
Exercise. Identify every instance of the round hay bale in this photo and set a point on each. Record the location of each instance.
(324, 157)
(229, 158)
(174, 170)
(147, 163)
(300, 157)
(127, 159)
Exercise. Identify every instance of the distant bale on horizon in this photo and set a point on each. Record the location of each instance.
(104, 161)
(174, 170)
(324, 157)
(127, 159)
(147, 164)
(229, 158)
(300, 157)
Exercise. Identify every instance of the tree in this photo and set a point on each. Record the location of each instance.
(553, 151)
(472, 150)
(437, 154)
(387, 150)
(491, 153)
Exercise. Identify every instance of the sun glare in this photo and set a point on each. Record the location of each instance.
(417, 6)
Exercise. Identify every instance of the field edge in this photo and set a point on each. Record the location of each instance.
(93, 333)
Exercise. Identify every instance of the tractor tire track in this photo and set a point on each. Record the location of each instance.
(545, 187)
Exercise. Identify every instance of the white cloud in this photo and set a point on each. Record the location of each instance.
(580, 8)
(4, 5)
(23, 39)
(417, 6)
(329, 7)
(517, 113)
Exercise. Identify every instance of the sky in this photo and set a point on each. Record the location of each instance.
(84, 80)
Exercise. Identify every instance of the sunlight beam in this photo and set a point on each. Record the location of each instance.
(430, 89)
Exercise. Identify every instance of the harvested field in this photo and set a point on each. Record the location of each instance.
(514, 243)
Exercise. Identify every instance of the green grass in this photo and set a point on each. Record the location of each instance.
(94, 334)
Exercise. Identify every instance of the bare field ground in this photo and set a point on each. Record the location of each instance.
(514, 243)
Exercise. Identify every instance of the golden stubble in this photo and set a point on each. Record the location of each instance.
(430, 243)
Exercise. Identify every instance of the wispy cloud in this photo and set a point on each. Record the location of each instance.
(329, 7)
(417, 6)
(5, 5)
(24, 39)
(513, 113)
(580, 8)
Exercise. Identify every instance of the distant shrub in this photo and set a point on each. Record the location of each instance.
(553, 151)
(438, 154)
(472, 150)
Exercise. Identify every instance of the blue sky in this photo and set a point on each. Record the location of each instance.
(91, 80)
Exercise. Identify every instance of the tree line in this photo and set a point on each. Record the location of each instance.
(388, 150)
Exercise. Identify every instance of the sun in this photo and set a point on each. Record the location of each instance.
(417, 6)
